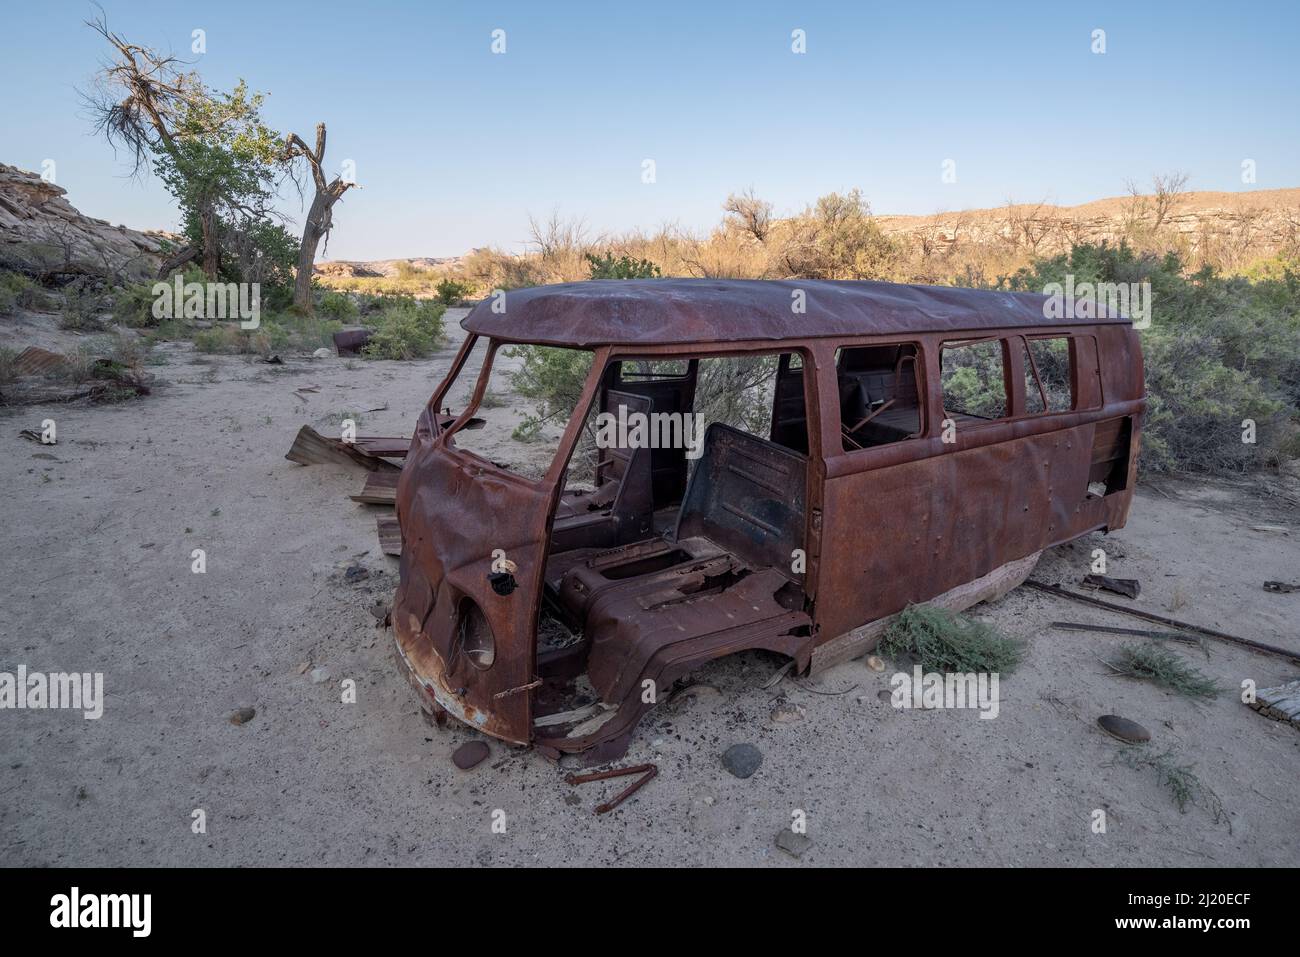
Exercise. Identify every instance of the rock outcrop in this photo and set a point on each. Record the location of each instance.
(44, 235)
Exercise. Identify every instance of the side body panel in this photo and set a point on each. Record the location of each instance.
(906, 522)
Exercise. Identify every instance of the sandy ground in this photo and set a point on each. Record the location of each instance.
(95, 576)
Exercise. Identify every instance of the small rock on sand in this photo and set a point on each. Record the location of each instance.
(243, 716)
(792, 843)
(469, 754)
(787, 712)
(742, 760)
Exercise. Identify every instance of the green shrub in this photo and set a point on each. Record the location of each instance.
(339, 306)
(133, 306)
(1219, 350)
(942, 640)
(608, 266)
(1158, 664)
(21, 292)
(223, 339)
(407, 329)
(8, 359)
(81, 309)
(450, 292)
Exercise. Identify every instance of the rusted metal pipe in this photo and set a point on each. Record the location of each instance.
(1171, 622)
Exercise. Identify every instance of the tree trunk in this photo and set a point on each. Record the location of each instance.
(313, 229)
(211, 251)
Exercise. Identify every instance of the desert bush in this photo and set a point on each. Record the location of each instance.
(338, 305)
(8, 360)
(1220, 350)
(607, 266)
(1163, 667)
(552, 377)
(133, 306)
(21, 292)
(450, 291)
(837, 238)
(81, 309)
(942, 640)
(407, 330)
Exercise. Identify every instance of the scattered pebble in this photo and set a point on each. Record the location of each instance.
(322, 353)
(742, 760)
(1130, 732)
(787, 712)
(792, 843)
(320, 675)
(469, 754)
(885, 695)
(356, 573)
(243, 716)
(875, 663)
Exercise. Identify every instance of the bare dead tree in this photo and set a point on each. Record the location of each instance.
(1168, 190)
(320, 215)
(139, 99)
(750, 214)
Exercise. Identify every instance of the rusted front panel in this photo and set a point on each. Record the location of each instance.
(454, 510)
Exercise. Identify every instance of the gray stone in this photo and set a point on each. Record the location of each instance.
(742, 760)
(792, 843)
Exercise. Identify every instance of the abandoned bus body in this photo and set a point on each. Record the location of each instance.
(920, 443)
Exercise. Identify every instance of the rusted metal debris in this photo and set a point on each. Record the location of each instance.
(380, 488)
(390, 535)
(647, 771)
(351, 342)
(883, 496)
(1128, 587)
(1259, 646)
(312, 448)
(35, 361)
(1136, 632)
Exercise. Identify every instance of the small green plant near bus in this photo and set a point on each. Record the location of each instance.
(1163, 667)
(1181, 780)
(944, 641)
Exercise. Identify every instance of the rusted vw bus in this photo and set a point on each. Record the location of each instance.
(898, 444)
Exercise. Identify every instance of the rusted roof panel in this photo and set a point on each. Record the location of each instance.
(680, 311)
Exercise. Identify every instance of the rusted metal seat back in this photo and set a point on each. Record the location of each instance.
(747, 496)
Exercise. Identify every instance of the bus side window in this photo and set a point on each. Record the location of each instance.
(880, 399)
(973, 380)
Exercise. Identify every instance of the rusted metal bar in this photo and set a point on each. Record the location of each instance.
(1112, 630)
(1259, 646)
(647, 771)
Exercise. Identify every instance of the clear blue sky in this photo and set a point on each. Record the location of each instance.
(455, 146)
